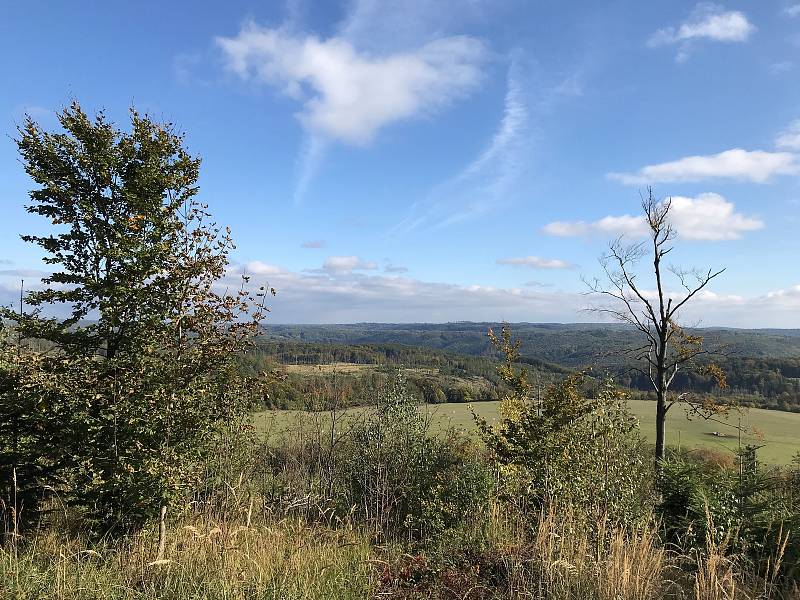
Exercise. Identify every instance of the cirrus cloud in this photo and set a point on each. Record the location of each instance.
(789, 138)
(347, 95)
(792, 11)
(708, 217)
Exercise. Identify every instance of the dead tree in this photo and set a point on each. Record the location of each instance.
(653, 311)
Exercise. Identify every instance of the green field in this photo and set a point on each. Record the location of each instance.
(780, 439)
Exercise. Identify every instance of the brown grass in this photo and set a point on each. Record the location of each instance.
(557, 557)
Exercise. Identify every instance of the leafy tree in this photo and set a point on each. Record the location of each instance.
(147, 345)
(29, 462)
(667, 347)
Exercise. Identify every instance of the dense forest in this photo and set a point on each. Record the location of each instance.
(759, 381)
(433, 376)
(570, 344)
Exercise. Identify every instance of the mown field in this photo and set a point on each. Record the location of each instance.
(778, 432)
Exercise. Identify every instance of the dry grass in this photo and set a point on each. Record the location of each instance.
(562, 558)
(204, 560)
(555, 558)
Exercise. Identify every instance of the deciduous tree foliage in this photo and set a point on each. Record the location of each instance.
(139, 368)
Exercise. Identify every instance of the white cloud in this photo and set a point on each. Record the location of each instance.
(792, 11)
(789, 138)
(743, 165)
(313, 244)
(348, 95)
(707, 22)
(708, 217)
(535, 262)
(347, 264)
(621, 225)
(257, 267)
(353, 298)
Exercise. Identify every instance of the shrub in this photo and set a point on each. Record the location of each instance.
(400, 479)
(746, 511)
(566, 449)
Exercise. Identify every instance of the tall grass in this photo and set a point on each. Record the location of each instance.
(204, 559)
(555, 557)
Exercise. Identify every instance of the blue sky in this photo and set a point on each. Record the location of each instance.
(440, 161)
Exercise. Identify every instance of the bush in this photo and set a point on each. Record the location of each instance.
(746, 510)
(400, 479)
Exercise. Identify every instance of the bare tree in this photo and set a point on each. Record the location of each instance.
(667, 347)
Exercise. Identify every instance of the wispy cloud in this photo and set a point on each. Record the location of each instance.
(743, 165)
(789, 138)
(38, 273)
(707, 22)
(708, 217)
(535, 262)
(309, 161)
(780, 67)
(792, 11)
(390, 267)
(313, 244)
(487, 181)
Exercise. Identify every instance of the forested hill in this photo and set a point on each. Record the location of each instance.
(762, 366)
(573, 345)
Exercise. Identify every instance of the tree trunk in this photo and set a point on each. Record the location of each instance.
(661, 416)
(162, 532)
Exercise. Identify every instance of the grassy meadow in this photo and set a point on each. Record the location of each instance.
(776, 431)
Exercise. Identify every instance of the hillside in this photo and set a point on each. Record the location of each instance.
(762, 366)
(309, 375)
(573, 344)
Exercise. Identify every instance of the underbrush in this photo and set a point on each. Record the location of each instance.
(384, 507)
(559, 556)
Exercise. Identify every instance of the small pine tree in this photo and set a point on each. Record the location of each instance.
(563, 448)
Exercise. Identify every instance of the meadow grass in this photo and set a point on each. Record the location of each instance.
(777, 432)
(555, 558)
(284, 560)
(339, 368)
